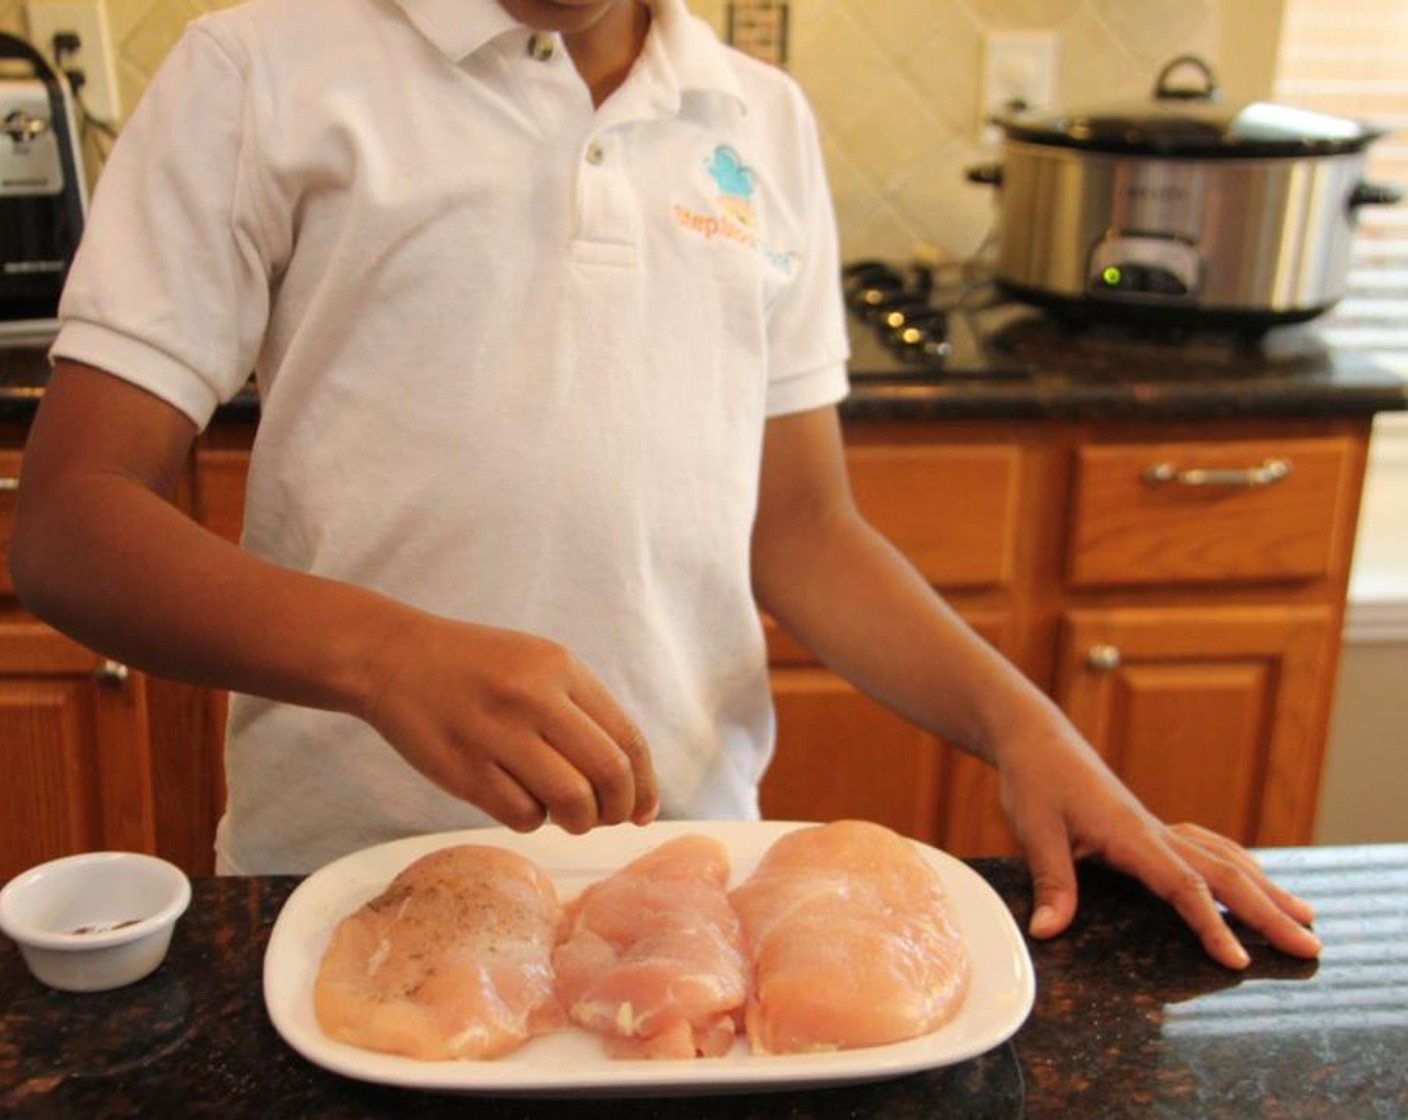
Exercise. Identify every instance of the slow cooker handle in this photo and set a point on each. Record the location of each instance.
(1165, 92)
(1375, 194)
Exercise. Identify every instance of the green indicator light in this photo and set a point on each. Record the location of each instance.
(1112, 276)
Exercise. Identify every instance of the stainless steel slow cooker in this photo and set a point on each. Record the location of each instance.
(1179, 208)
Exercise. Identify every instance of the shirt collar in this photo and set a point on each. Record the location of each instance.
(686, 45)
(690, 48)
(458, 28)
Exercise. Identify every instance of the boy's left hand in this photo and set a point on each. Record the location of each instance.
(1065, 804)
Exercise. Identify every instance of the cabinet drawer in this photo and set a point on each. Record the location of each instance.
(9, 483)
(951, 510)
(1210, 512)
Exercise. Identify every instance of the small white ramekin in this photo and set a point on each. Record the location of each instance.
(94, 921)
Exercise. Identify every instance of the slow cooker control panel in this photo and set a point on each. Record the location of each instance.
(1144, 268)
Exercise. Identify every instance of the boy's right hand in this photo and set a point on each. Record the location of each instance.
(512, 723)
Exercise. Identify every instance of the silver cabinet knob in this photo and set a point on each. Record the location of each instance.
(1103, 658)
(111, 672)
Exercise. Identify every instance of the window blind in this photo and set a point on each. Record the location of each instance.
(1350, 58)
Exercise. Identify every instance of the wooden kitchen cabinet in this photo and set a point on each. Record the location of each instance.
(956, 511)
(9, 484)
(74, 751)
(1237, 510)
(1179, 589)
(1188, 622)
(1211, 714)
(1206, 681)
(953, 510)
(75, 763)
(93, 755)
(219, 490)
(841, 754)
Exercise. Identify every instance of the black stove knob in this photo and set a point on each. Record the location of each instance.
(897, 314)
(872, 297)
(857, 272)
(877, 303)
(918, 334)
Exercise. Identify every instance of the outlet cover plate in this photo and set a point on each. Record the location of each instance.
(1017, 66)
(89, 19)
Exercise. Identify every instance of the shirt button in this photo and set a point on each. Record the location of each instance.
(595, 152)
(540, 47)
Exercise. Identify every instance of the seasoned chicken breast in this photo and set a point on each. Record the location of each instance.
(452, 960)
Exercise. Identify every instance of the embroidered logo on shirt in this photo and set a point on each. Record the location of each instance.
(735, 183)
(734, 218)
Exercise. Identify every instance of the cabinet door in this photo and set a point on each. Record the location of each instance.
(220, 491)
(1214, 715)
(189, 731)
(73, 751)
(841, 755)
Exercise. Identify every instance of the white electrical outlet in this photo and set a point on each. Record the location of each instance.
(1018, 67)
(88, 19)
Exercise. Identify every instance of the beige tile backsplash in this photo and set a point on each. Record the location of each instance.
(894, 82)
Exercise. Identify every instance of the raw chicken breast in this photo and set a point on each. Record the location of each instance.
(452, 960)
(851, 942)
(652, 960)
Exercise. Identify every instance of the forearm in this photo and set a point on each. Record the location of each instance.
(110, 562)
(508, 721)
(857, 603)
(850, 596)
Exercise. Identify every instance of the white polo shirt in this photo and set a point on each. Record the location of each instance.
(514, 353)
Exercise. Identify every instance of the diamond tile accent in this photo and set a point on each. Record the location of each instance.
(895, 86)
(945, 67)
(1147, 27)
(145, 39)
(1024, 15)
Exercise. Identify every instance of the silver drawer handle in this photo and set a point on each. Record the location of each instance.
(8, 482)
(110, 672)
(1163, 474)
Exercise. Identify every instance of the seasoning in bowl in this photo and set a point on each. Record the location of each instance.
(94, 921)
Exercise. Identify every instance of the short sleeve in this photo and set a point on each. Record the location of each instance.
(169, 288)
(806, 328)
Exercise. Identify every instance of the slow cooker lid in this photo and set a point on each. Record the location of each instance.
(1192, 121)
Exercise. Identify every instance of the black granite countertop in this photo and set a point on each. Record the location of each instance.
(1011, 362)
(1030, 368)
(1131, 1020)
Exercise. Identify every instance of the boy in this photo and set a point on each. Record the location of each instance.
(541, 296)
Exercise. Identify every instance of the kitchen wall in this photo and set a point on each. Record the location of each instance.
(1366, 767)
(1364, 791)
